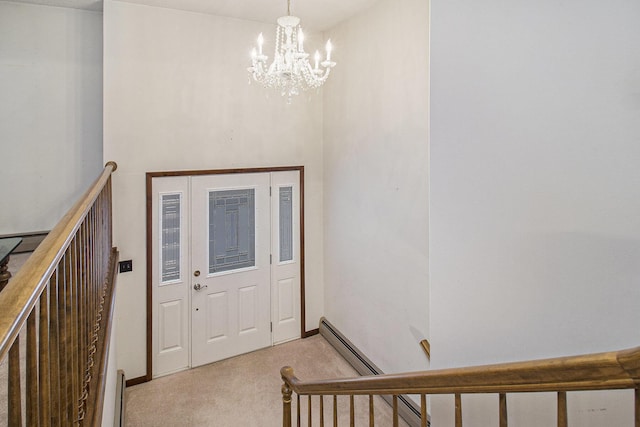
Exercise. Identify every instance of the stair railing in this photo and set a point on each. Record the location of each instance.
(603, 371)
(61, 301)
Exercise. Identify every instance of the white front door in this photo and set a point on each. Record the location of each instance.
(230, 248)
(226, 260)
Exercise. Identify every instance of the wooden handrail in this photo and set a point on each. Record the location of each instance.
(21, 294)
(62, 297)
(426, 347)
(603, 371)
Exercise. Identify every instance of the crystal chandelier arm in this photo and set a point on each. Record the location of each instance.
(315, 78)
(328, 64)
(274, 65)
(257, 71)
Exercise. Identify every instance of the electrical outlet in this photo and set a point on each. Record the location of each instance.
(126, 266)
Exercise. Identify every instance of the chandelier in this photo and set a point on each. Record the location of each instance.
(290, 72)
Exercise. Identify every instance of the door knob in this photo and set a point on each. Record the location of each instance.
(198, 286)
(196, 273)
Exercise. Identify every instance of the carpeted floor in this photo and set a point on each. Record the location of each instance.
(245, 391)
(241, 391)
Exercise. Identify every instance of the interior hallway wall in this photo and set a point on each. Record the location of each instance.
(535, 189)
(177, 97)
(50, 112)
(376, 183)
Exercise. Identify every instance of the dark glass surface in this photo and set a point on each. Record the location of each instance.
(7, 245)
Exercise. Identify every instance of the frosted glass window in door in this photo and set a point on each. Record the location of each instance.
(286, 223)
(232, 230)
(170, 237)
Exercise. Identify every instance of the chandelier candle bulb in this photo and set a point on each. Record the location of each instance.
(317, 58)
(260, 43)
(300, 41)
(329, 49)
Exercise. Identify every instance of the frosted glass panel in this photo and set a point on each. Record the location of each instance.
(170, 240)
(232, 230)
(286, 223)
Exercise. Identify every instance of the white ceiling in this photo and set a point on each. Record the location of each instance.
(316, 15)
(75, 4)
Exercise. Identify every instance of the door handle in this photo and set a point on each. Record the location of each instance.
(199, 287)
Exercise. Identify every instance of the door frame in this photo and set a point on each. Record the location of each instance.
(149, 232)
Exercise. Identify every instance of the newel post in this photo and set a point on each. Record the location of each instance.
(286, 405)
(286, 397)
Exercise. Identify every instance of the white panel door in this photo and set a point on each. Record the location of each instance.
(230, 248)
(285, 269)
(170, 275)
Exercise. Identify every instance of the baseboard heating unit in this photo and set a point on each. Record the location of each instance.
(407, 408)
(119, 410)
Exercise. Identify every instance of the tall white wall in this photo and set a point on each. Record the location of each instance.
(50, 112)
(535, 186)
(177, 97)
(376, 183)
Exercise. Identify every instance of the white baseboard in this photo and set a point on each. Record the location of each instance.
(118, 419)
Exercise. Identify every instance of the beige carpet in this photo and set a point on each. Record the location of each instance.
(241, 391)
(245, 391)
